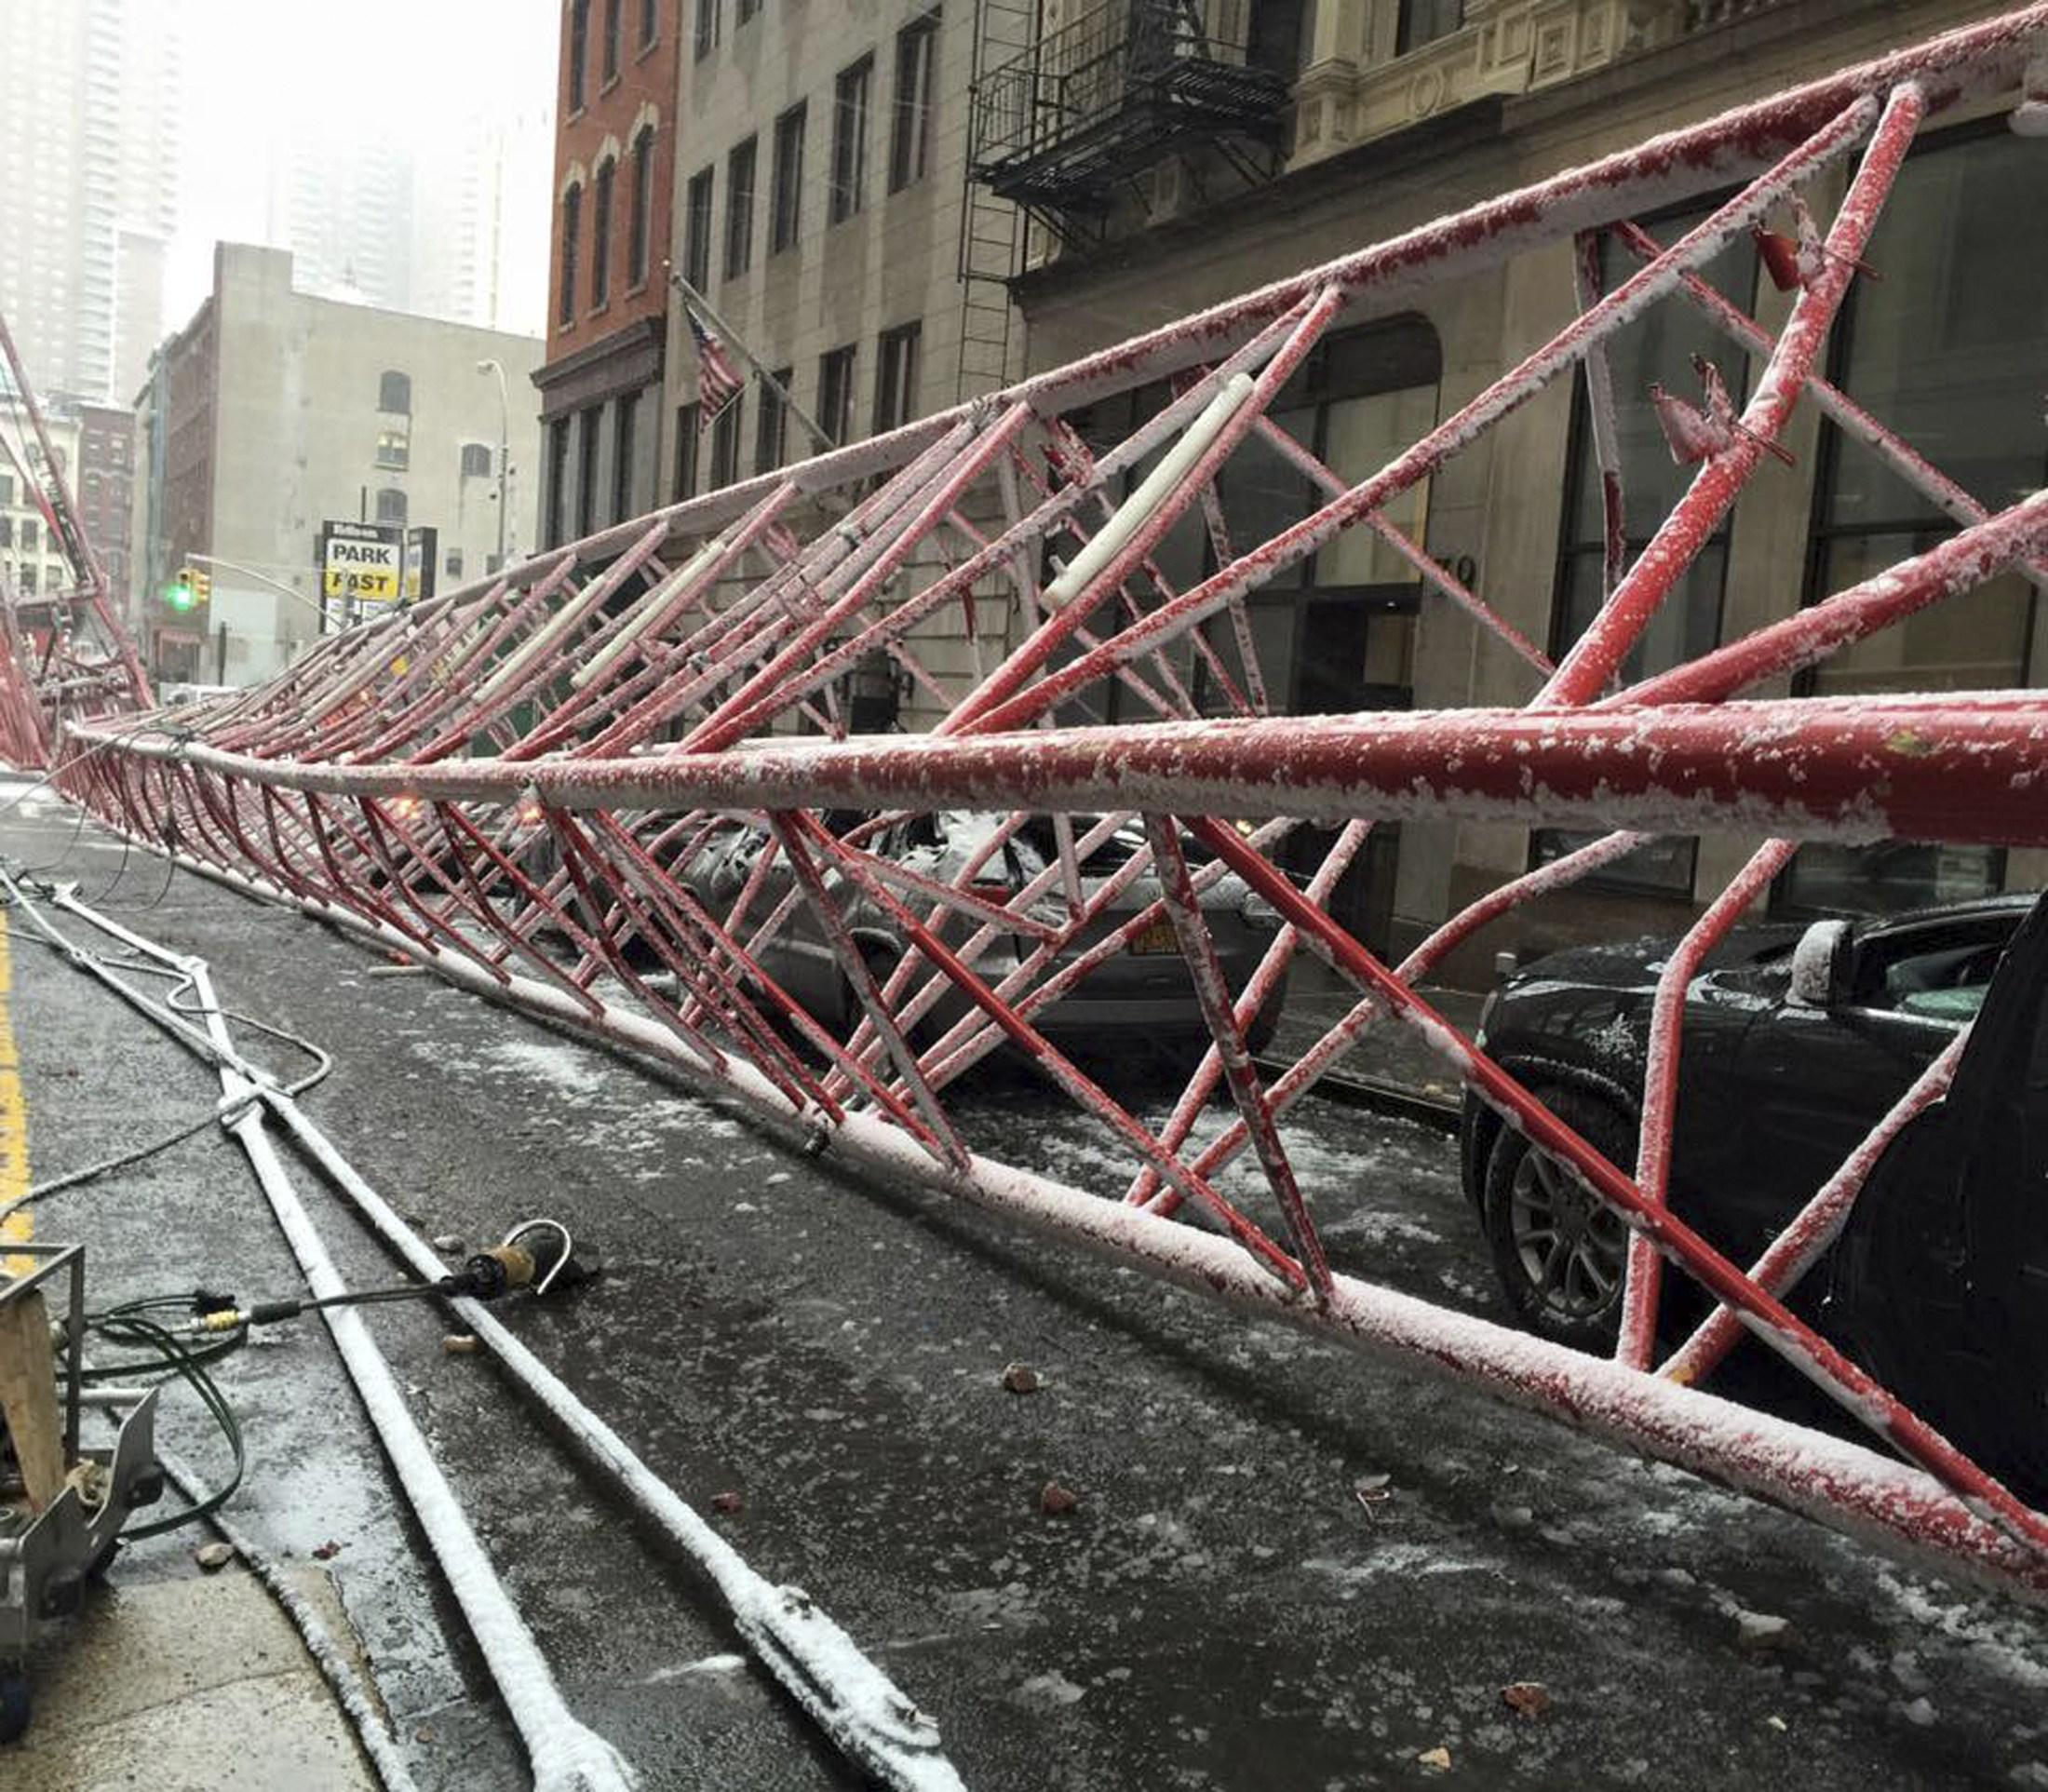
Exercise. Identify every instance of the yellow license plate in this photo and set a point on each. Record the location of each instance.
(1157, 938)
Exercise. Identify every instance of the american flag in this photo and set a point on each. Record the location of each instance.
(719, 382)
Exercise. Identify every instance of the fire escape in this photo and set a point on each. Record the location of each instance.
(1063, 125)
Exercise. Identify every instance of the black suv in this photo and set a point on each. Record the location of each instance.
(1796, 1042)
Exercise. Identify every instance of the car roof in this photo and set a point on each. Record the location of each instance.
(2014, 903)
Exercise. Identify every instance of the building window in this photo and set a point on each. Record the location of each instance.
(557, 480)
(785, 206)
(1656, 349)
(476, 461)
(835, 393)
(772, 426)
(895, 377)
(579, 51)
(28, 581)
(748, 9)
(1948, 350)
(707, 27)
(452, 565)
(601, 237)
(640, 222)
(571, 227)
(1423, 22)
(6, 488)
(739, 209)
(910, 124)
(395, 394)
(614, 31)
(394, 450)
(624, 426)
(687, 425)
(850, 139)
(6, 531)
(725, 442)
(587, 422)
(28, 535)
(650, 23)
(391, 504)
(696, 230)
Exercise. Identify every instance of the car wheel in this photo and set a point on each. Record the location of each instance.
(1560, 1255)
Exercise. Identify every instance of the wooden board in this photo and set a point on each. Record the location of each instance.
(28, 1397)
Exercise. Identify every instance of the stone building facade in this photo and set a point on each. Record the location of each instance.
(31, 554)
(1405, 110)
(818, 210)
(272, 412)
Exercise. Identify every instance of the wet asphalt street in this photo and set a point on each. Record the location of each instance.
(1219, 1611)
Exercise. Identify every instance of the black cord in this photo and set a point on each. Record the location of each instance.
(130, 1327)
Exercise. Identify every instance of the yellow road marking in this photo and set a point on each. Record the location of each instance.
(14, 1119)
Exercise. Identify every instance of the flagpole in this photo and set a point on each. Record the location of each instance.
(691, 297)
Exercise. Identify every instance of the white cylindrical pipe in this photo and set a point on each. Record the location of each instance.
(650, 607)
(1108, 541)
(512, 671)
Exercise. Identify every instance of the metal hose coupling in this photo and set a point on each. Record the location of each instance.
(536, 1254)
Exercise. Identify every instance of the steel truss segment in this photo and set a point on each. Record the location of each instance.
(1641, 1289)
(631, 783)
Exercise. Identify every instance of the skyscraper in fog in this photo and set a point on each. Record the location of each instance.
(342, 203)
(89, 185)
(478, 256)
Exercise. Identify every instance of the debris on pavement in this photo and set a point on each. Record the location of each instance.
(1055, 1502)
(213, 1558)
(728, 1502)
(1760, 1629)
(1020, 1378)
(1527, 1699)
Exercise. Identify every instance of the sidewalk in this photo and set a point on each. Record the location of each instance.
(1389, 1067)
(183, 1682)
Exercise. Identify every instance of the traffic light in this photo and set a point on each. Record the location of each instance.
(191, 588)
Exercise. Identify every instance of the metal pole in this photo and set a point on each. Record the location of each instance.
(691, 296)
(504, 446)
(261, 578)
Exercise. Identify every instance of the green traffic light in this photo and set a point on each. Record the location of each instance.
(181, 596)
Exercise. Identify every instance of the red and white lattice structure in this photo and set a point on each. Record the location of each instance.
(538, 759)
(64, 655)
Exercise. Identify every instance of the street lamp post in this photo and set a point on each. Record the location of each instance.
(504, 445)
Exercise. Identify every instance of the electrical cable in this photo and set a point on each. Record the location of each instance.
(165, 1349)
(323, 1063)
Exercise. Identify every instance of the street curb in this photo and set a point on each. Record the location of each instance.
(1389, 1099)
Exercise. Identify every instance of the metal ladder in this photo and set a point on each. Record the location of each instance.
(991, 228)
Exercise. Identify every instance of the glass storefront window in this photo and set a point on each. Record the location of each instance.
(1950, 348)
(1657, 348)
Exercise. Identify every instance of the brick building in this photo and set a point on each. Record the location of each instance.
(105, 492)
(601, 382)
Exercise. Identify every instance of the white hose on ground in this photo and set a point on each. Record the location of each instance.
(565, 1754)
(863, 1713)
